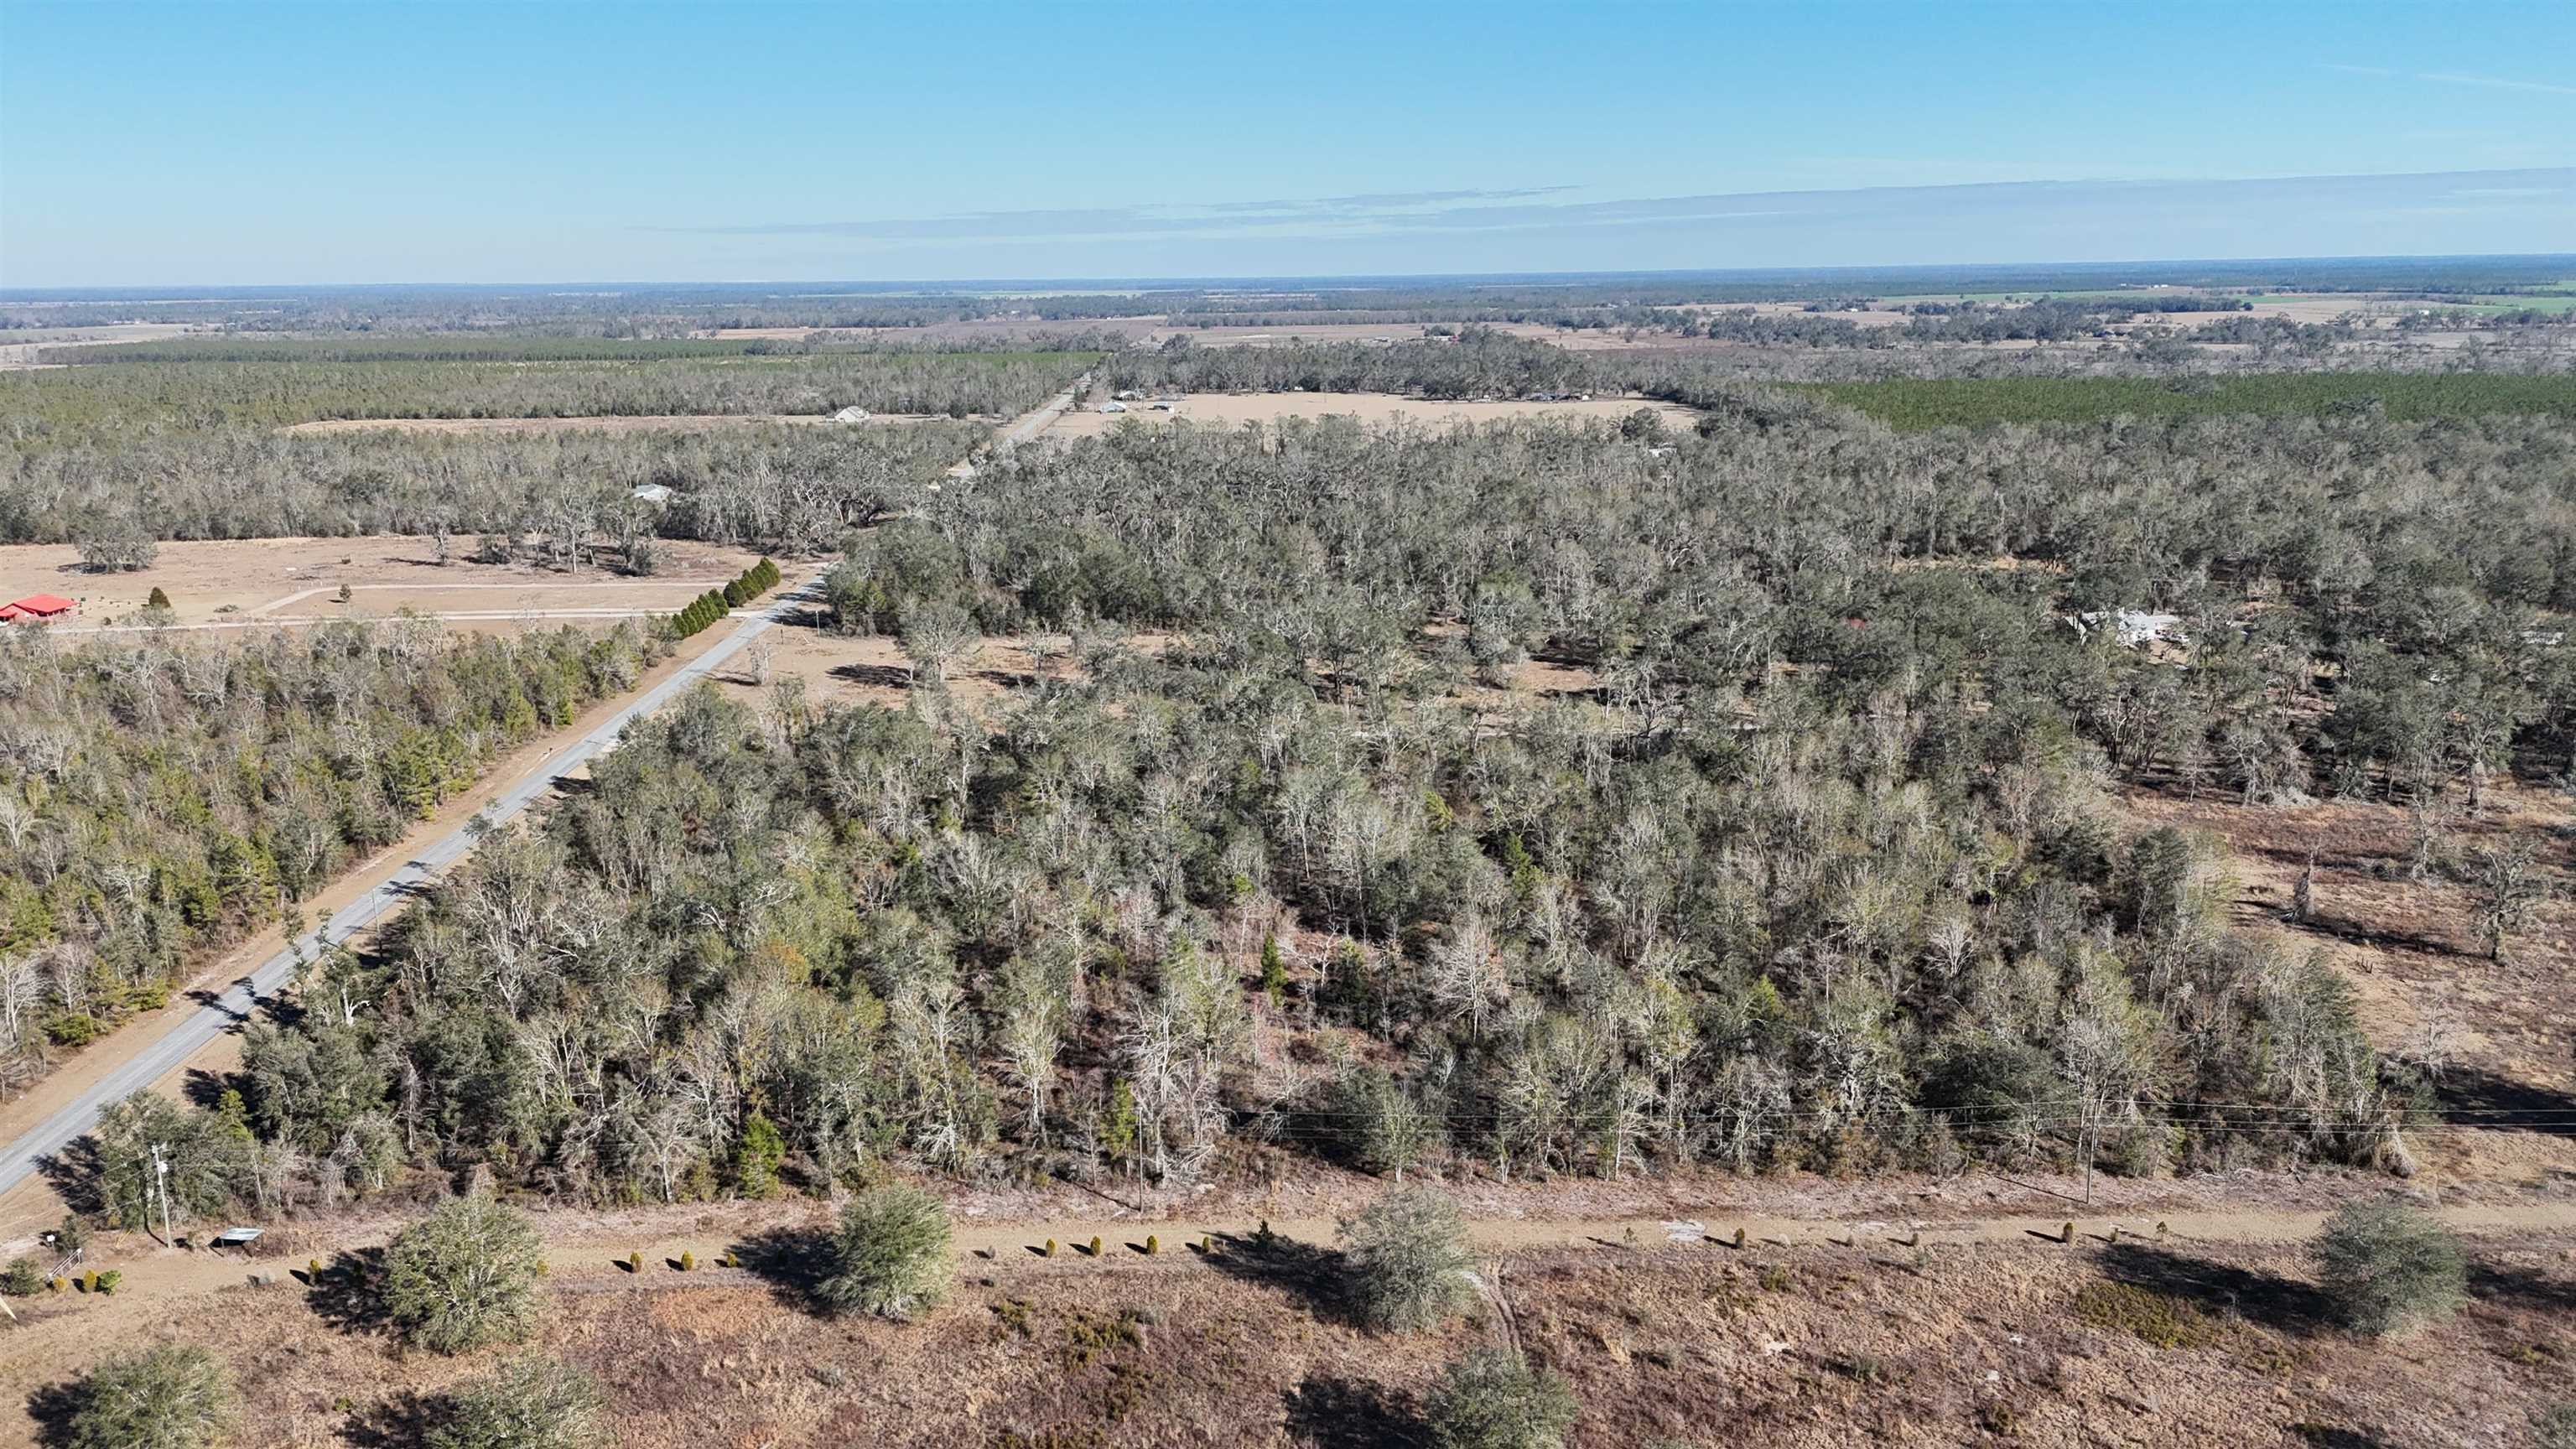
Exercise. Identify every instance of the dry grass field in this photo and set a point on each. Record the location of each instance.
(2504, 1032)
(1236, 409)
(256, 581)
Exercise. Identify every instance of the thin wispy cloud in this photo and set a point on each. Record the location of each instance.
(2498, 82)
(1546, 209)
(2453, 78)
(1367, 210)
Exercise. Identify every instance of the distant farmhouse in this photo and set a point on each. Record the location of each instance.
(37, 607)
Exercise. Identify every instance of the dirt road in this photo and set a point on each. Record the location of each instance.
(582, 1258)
(150, 1060)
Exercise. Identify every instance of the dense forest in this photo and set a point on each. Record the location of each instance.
(2162, 375)
(51, 406)
(782, 489)
(1822, 869)
(164, 797)
(194, 449)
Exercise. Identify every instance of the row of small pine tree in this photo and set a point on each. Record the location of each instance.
(712, 605)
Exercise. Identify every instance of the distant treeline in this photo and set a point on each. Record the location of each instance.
(52, 407)
(1484, 363)
(667, 310)
(458, 347)
(787, 490)
(2404, 397)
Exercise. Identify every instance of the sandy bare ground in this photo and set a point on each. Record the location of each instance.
(1235, 409)
(642, 423)
(243, 580)
(18, 349)
(1295, 334)
(987, 330)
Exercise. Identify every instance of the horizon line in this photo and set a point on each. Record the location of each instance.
(1355, 281)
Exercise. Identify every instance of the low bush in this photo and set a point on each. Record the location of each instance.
(1407, 1260)
(2388, 1269)
(464, 1277)
(528, 1403)
(1493, 1399)
(891, 1255)
(171, 1397)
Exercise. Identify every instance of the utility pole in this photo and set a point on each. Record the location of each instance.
(161, 1180)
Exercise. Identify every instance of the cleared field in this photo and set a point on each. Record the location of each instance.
(665, 423)
(249, 580)
(983, 331)
(1235, 409)
(843, 669)
(1296, 334)
(21, 348)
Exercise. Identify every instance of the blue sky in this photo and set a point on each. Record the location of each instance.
(253, 143)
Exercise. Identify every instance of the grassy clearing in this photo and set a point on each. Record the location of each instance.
(1915, 403)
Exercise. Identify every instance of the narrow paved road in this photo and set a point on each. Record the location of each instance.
(155, 1059)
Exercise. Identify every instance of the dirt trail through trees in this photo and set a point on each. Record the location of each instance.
(590, 1259)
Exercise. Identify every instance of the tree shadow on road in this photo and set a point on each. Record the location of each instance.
(78, 1175)
(1313, 1275)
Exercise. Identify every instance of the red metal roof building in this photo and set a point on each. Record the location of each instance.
(37, 606)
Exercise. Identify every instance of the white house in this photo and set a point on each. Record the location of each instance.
(853, 414)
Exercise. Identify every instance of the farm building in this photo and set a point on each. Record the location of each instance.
(37, 606)
(851, 414)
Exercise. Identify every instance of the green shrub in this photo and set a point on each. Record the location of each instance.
(528, 1403)
(1493, 1399)
(171, 1397)
(158, 599)
(891, 1256)
(464, 1277)
(108, 1279)
(2555, 1426)
(2387, 1268)
(1407, 1261)
(21, 1278)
